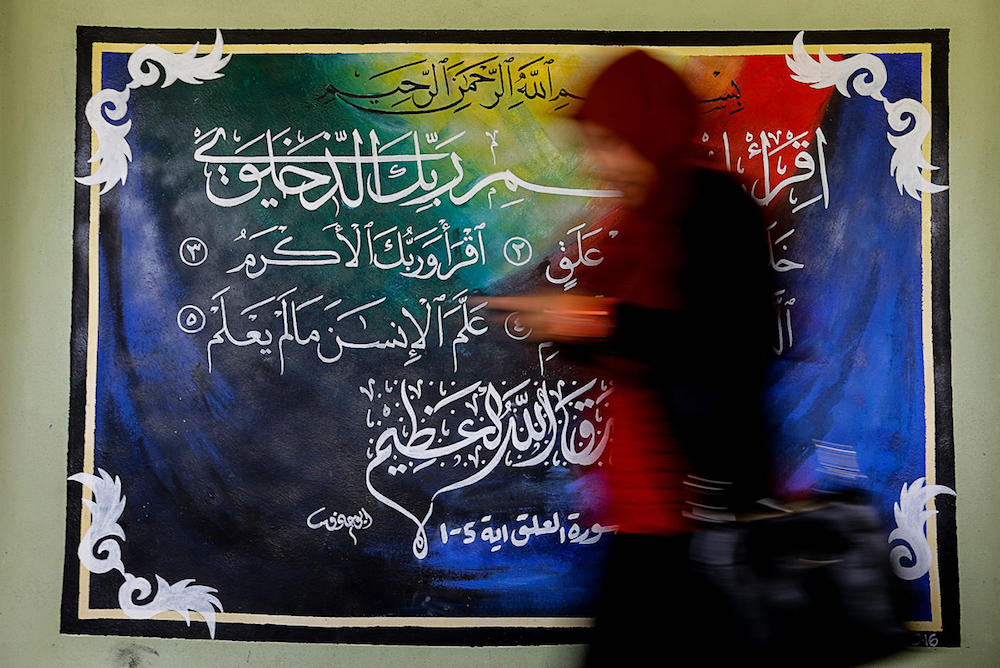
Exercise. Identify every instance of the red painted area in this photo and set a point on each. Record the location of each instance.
(743, 96)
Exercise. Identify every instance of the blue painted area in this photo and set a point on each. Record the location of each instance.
(855, 375)
(114, 70)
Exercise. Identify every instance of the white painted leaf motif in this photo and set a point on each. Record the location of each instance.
(106, 108)
(99, 552)
(182, 597)
(913, 559)
(866, 73)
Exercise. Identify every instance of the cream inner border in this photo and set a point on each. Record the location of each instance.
(84, 610)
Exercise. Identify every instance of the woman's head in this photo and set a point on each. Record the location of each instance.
(638, 119)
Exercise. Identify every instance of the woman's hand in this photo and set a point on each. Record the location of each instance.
(561, 317)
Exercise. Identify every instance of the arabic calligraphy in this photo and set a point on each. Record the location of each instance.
(437, 437)
(784, 185)
(330, 327)
(784, 337)
(729, 101)
(437, 252)
(429, 86)
(765, 158)
(568, 264)
(519, 536)
(314, 178)
(336, 521)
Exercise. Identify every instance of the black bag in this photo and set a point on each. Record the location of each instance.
(803, 586)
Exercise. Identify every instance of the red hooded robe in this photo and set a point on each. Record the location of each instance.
(645, 103)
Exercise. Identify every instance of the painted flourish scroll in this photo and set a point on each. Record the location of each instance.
(291, 420)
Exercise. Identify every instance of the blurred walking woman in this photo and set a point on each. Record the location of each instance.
(687, 337)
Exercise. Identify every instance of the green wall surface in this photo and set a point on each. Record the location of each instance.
(37, 120)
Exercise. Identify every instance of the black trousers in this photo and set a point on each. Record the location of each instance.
(654, 609)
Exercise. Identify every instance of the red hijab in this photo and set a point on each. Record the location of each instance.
(646, 103)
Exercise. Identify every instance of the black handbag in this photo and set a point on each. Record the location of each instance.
(803, 585)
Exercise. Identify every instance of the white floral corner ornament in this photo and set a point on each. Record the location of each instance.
(100, 552)
(105, 109)
(867, 75)
(913, 559)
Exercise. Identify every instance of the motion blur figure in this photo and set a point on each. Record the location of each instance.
(689, 347)
(682, 329)
(706, 568)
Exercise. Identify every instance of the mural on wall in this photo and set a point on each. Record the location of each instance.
(293, 419)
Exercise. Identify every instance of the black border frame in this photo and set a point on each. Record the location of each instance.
(947, 540)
